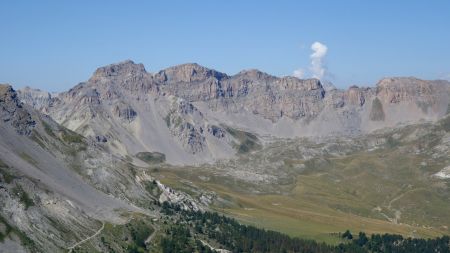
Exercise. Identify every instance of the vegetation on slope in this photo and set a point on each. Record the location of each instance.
(188, 231)
(24, 198)
(7, 230)
(6, 176)
(129, 237)
(376, 112)
(71, 136)
(151, 157)
(247, 141)
(380, 183)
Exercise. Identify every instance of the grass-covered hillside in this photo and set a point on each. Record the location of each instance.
(381, 182)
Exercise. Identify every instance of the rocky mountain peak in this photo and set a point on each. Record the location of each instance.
(37, 98)
(127, 75)
(189, 72)
(253, 74)
(411, 84)
(5, 89)
(12, 111)
(399, 81)
(398, 89)
(125, 68)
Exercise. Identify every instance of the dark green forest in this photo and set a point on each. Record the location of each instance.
(182, 236)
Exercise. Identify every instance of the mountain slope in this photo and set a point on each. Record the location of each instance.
(121, 106)
(49, 197)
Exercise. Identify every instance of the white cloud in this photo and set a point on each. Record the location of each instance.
(317, 69)
(320, 50)
(317, 65)
(299, 73)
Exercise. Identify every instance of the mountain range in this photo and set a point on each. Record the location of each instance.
(116, 148)
(186, 112)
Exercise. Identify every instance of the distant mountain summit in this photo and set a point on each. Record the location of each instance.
(189, 112)
(12, 111)
(189, 72)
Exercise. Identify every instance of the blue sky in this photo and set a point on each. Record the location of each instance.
(53, 45)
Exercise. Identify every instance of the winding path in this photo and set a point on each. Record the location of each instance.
(150, 238)
(87, 239)
(397, 212)
(218, 250)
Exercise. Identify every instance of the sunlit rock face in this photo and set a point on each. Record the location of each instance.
(183, 111)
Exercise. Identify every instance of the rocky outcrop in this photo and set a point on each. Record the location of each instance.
(124, 111)
(355, 96)
(127, 75)
(396, 90)
(408, 99)
(189, 126)
(12, 111)
(216, 131)
(192, 82)
(188, 73)
(181, 199)
(251, 90)
(426, 94)
(38, 99)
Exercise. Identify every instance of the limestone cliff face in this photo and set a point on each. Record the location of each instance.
(188, 73)
(185, 123)
(12, 111)
(428, 95)
(192, 82)
(306, 102)
(272, 97)
(38, 99)
(356, 96)
(126, 75)
(252, 90)
(183, 111)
